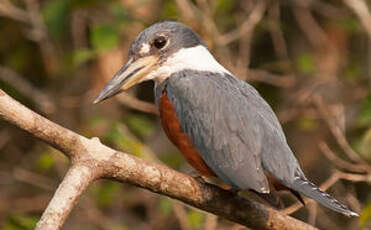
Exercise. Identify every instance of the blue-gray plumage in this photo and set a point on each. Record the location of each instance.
(220, 123)
(209, 106)
(237, 133)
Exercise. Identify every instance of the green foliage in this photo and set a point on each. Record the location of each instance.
(56, 15)
(172, 159)
(124, 142)
(86, 3)
(118, 136)
(223, 10)
(365, 215)
(104, 37)
(305, 63)
(45, 161)
(307, 124)
(106, 192)
(18, 58)
(353, 72)
(351, 24)
(140, 125)
(170, 10)
(196, 218)
(120, 13)
(365, 112)
(20, 222)
(82, 55)
(165, 206)
(224, 6)
(365, 146)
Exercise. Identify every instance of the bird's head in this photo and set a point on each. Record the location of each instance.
(156, 53)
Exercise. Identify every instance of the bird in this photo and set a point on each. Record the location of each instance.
(221, 125)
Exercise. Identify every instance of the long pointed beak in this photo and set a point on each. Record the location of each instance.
(129, 75)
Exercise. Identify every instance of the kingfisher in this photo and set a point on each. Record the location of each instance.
(220, 124)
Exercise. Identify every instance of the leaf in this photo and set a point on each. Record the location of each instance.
(45, 161)
(365, 146)
(353, 72)
(140, 125)
(56, 15)
(172, 159)
(351, 24)
(224, 6)
(365, 215)
(120, 13)
(169, 10)
(307, 124)
(20, 222)
(104, 37)
(305, 63)
(365, 112)
(195, 218)
(82, 55)
(124, 142)
(106, 193)
(165, 206)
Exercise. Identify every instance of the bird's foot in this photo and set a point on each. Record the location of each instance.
(200, 178)
(234, 190)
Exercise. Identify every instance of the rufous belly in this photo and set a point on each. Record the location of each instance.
(172, 128)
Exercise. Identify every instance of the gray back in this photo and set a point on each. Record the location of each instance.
(234, 129)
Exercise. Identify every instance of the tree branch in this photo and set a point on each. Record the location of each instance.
(93, 160)
(73, 185)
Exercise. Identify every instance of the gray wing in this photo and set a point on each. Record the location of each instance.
(216, 118)
(276, 156)
(234, 129)
(238, 134)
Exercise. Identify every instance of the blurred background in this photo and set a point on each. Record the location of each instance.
(310, 59)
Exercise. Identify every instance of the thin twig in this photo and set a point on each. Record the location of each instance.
(42, 100)
(313, 211)
(354, 177)
(308, 24)
(33, 179)
(181, 216)
(336, 130)
(187, 9)
(23, 204)
(7, 9)
(211, 222)
(246, 27)
(134, 103)
(343, 164)
(258, 75)
(360, 8)
(39, 34)
(274, 23)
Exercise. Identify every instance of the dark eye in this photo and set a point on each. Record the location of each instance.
(159, 42)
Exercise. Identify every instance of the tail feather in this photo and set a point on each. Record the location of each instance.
(311, 190)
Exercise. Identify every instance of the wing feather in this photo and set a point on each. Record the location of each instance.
(223, 126)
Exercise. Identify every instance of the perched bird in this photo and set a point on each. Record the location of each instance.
(221, 124)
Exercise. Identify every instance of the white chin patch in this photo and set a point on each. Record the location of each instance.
(195, 58)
